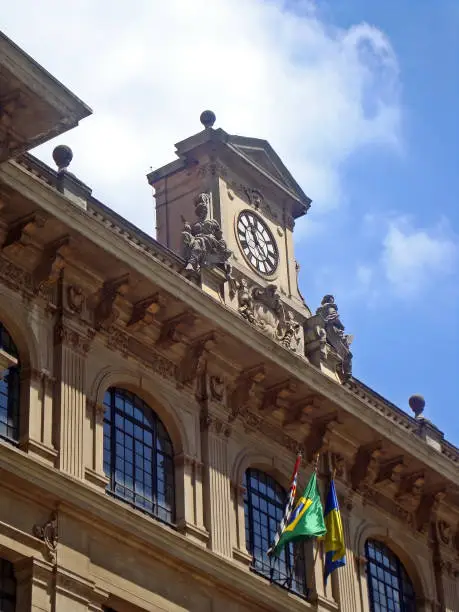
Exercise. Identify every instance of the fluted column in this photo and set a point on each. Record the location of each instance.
(70, 354)
(217, 486)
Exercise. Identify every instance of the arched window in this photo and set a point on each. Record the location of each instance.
(9, 391)
(389, 586)
(7, 587)
(138, 455)
(264, 504)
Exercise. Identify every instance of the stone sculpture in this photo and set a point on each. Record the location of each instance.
(203, 242)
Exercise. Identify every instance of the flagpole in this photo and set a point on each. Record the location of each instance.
(315, 468)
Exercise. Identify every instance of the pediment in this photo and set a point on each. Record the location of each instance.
(261, 155)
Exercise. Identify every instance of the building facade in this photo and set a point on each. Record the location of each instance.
(155, 393)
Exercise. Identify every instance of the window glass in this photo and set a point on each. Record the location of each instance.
(7, 587)
(389, 586)
(264, 505)
(9, 391)
(138, 455)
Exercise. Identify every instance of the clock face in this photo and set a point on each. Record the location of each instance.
(257, 243)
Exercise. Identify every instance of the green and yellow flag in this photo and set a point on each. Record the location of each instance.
(306, 520)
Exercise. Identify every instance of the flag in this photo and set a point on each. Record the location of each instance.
(335, 550)
(306, 520)
(289, 505)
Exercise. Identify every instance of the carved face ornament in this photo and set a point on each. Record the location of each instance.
(257, 243)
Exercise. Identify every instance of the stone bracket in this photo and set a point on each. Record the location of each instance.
(52, 262)
(245, 390)
(20, 232)
(299, 413)
(173, 330)
(191, 364)
(366, 465)
(279, 396)
(105, 314)
(318, 440)
(144, 312)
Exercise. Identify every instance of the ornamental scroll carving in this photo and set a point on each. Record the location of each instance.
(203, 242)
(48, 533)
(263, 308)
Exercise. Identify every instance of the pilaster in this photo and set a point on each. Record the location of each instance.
(345, 579)
(74, 593)
(217, 485)
(94, 445)
(240, 550)
(189, 500)
(71, 349)
(34, 585)
(37, 389)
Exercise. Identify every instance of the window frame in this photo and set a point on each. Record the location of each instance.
(10, 388)
(291, 565)
(158, 512)
(389, 566)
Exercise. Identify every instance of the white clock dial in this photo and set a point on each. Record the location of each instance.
(257, 243)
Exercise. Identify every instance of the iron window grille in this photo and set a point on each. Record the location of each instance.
(138, 455)
(264, 505)
(9, 391)
(7, 587)
(389, 586)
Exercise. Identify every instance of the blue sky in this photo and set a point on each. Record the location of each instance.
(359, 99)
(405, 341)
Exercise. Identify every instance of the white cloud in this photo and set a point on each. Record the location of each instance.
(317, 93)
(415, 258)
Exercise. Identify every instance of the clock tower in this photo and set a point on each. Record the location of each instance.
(228, 206)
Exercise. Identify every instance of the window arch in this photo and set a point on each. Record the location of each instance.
(7, 587)
(389, 586)
(138, 455)
(264, 505)
(9, 391)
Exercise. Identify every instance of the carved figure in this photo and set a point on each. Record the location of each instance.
(204, 245)
(245, 300)
(328, 310)
(290, 336)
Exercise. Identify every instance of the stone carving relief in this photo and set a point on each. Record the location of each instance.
(263, 308)
(444, 532)
(203, 242)
(217, 388)
(214, 425)
(75, 298)
(410, 491)
(48, 533)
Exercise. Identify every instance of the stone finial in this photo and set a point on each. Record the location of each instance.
(62, 156)
(207, 118)
(417, 404)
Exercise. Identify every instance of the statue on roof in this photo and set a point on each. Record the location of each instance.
(328, 310)
(203, 242)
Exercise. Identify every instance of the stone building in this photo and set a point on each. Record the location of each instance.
(155, 392)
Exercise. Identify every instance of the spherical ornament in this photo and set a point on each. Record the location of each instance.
(62, 156)
(207, 118)
(417, 404)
